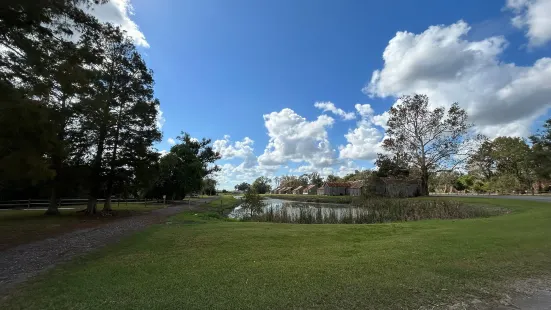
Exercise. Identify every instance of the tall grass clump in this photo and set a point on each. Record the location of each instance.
(370, 211)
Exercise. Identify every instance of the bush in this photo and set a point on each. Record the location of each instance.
(252, 202)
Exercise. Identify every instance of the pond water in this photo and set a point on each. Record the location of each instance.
(296, 211)
(370, 211)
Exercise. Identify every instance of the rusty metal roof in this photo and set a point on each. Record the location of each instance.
(337, 184)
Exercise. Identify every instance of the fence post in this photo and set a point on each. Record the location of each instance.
(29, 203)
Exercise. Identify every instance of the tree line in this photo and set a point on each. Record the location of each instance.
(79, 114)
(439, 148)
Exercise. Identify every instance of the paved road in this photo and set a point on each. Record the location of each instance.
(519, 197)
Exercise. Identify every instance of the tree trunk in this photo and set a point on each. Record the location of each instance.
(96, 174)
(92, 203)
(424, 182)
(109, 191)
(52, 207)
(57, 161)
(96, 166)
(107, 203)
(111, 175)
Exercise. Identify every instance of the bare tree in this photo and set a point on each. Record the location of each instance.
(427, 139)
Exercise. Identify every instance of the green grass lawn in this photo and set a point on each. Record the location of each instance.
(21, 226)
(195, 262)
(313, 198)
(224, 202)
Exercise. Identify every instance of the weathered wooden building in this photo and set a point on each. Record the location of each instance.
(310, 190)
(286, 190)
(334, 189)
(396, 187)
(356, 188)
(297, 191)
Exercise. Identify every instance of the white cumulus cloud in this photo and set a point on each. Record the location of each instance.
(535, 17)
(343, 168)
(364, 141)
(119, 12)
(330, 107)
(163, 152)
(293, 138)
(160, 121)
(239, 149)
(500, 98)
(171, 141)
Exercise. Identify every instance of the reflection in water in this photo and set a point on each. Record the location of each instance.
(370, 211)
(276, 210)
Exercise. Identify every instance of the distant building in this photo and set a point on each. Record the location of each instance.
(356, 188)
(310, 190)
(397, 188)
(286, 190)
(334, 189)
(320, 191)
(297, 191)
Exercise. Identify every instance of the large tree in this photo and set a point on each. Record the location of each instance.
(444, 181)
(184, 168)
(261, 185)
(513, 157)
(244, 186)
(26, 136)
(395, 166)
(209, 186)
(292, 181)
(503, 159)
(541, 152)
(430, 139)
(121, 115)
(315, 179)
(333, 178)
(43, 69)
(135, 122)
(482, 162)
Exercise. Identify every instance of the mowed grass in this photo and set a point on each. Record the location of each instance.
(196, 263)
(223, 201)
(22, 226)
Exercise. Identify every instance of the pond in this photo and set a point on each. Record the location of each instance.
(366, 212)
(277, 210)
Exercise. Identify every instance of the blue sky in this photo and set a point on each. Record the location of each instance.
(253, 70)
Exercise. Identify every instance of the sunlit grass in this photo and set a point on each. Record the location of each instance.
(202, 262)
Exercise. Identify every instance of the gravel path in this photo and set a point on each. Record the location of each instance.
(28, 260)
